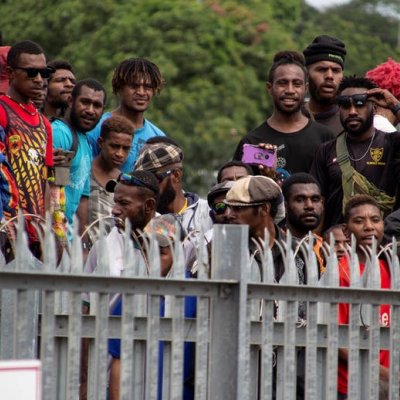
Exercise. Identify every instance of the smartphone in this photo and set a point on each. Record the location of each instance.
(253, 154)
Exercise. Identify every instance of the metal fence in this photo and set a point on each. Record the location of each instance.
(246, 333)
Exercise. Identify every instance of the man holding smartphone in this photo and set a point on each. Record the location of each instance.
(295, 136)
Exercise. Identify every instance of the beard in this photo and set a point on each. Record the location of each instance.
(364, 124)
(314, 93)
(301, 226)
(167, 196)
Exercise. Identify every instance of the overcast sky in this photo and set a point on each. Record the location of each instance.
(325, 3)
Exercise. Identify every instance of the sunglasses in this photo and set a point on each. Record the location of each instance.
(219, 208)
(33, 72)
(162, 175)
(357, 100)
(133, 181)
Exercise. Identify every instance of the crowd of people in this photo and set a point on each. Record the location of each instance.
(327, 164)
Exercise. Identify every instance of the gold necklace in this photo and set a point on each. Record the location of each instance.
(23, 107)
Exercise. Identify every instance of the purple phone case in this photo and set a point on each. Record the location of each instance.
(257, 155)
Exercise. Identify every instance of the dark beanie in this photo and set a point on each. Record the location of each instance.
(325, 48)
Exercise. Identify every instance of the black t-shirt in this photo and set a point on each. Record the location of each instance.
(380, 166)
(296, 150)
(331, 119)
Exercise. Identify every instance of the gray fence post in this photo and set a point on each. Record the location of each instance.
(229, 255)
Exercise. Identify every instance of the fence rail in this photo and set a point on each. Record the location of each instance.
(249, 342)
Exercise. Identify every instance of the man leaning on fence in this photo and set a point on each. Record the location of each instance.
(135, 198)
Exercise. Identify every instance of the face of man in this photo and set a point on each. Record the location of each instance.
(288, 89)
(245, 215)
(324, 79)
(115, 148)
(60, 88)
(137, 96)
(233, 173)
(87, 108)
(365, 223)
(340, 242)
(219, 210)
(129, 203)
(356, 119)
(304, 208)
(26, 88)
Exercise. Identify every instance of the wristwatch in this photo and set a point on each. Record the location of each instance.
(396, 109)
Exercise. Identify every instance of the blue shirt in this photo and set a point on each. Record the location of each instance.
(140, 137)
(80, 170)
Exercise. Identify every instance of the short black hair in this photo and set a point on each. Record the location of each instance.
(25, 46)
(132, 69)
(288, 57)
(299, 177)
(60, 64)
(90, 83)
(328, 231)
(234, 163)
(118, 124)
(356, 201)
(354, 81)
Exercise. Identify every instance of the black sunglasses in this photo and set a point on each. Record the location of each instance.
(219, 208)
(33, 72)
(358, 100)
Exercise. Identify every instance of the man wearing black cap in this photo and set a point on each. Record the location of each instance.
(135, 198)
(325, 58)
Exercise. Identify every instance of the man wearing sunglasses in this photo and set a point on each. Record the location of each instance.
(28, 139)
(362, 159)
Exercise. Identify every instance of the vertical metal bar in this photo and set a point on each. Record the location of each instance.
(101, 346)
(202, 329)
(353, 363)
(229, 257)
(47, 347)
(127, 337)
(332, 353)
(311, 352)
(267, 355)
(177, 348)
(74, 345)
(152, 347)
(374, 344)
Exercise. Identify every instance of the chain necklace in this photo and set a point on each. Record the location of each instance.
(23, 107)
(366, 152)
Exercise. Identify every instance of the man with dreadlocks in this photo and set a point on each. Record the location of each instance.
(135, 82)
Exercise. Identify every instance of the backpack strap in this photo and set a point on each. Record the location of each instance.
(342, 156)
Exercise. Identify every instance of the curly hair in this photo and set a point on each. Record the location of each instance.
(354, 81)
(27, 47)
(131, 70)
